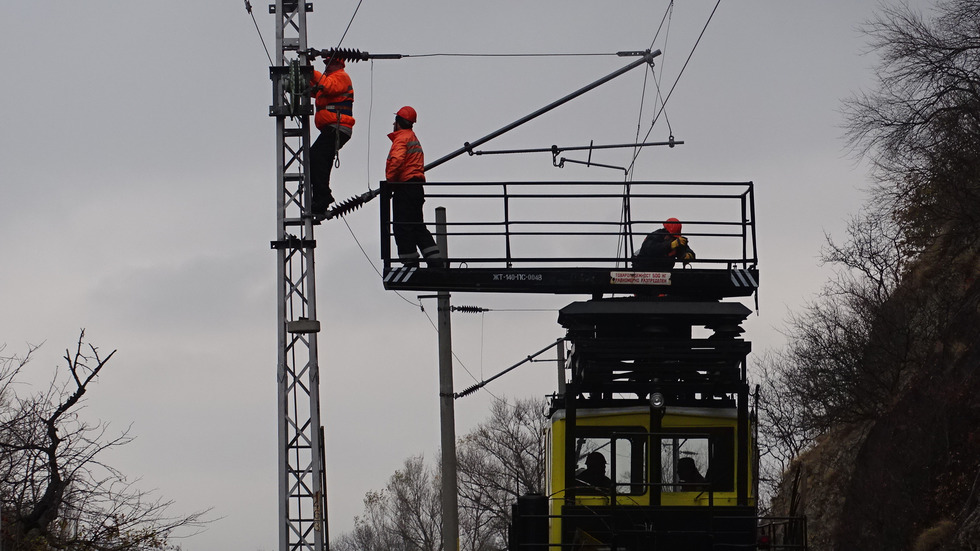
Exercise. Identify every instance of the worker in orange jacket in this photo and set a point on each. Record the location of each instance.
(405, 165)
(334, 118)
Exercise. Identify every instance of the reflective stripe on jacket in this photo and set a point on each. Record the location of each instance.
(334, 95)
(405, 160)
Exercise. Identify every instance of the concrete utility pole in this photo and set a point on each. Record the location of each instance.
(447, 413)
(302, 484)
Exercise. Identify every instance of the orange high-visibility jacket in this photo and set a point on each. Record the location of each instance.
(334, 95)
(405, 160)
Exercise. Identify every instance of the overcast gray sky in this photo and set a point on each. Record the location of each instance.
(137, 162)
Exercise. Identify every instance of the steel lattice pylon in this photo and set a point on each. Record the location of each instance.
(302, 484)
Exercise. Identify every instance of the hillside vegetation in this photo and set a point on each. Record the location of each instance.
(872, 413)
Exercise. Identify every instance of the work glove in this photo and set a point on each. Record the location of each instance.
(688, 256)
(679, 242)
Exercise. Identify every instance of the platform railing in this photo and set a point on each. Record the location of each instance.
(582, 224)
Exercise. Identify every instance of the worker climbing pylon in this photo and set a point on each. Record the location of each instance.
(334, 118)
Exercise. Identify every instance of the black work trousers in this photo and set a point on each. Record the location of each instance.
(322, 154)
(406, 216)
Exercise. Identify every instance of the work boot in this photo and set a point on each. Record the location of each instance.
(433, 257)
(321, 205)
(436, 263)
(409, 260)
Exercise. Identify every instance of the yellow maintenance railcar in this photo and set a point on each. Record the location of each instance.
(651, 442)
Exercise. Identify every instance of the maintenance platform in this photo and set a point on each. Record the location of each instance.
(574, 237)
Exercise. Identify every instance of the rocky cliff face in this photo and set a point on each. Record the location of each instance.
(815, 480)
(909, 479)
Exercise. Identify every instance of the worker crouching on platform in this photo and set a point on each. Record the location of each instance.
(405, 166)
(334, 119)
(662, 248)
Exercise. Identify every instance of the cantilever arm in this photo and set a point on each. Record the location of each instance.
(648, 57)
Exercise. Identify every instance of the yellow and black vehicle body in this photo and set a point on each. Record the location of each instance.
(651, 440)
(637, 506)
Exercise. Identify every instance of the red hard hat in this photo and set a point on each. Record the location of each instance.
(408, 114)
(673, 225)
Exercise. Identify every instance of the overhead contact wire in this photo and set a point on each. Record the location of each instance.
(459, 361)
(248, 8)
(669, 11)
(510, 55)
(419, 304)
(371, 262)
(370, 117)
(670, 8)
(683, 68)
(625, 242)
(349, 23)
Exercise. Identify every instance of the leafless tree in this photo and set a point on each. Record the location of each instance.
(415, 505)
(784, 430)
(500, 459)
(405, 516)
(873, 333)
(55, 491)
(851, 350)
(920, 126)
(854, 348)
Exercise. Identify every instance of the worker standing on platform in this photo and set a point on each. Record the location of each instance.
(334, 118)
(405, 165)
(663, 247)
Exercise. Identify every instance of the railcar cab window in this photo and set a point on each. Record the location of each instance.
(697, 462)
(603, 460)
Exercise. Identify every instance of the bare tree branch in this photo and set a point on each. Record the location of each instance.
(56, 492)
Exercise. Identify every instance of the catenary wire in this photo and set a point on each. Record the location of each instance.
(663, 65)
(483, 332)
(663, 104)
(370, 114)
(621, 246)
(248, 8)
(522, 310)
(370, 118)
(555, 54)
(371, 262)
(419, 304)
(667, 12)
(624, 243)
(422, 308)
(349, 23)
(459, 361)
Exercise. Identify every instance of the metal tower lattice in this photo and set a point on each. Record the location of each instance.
(302, 484)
